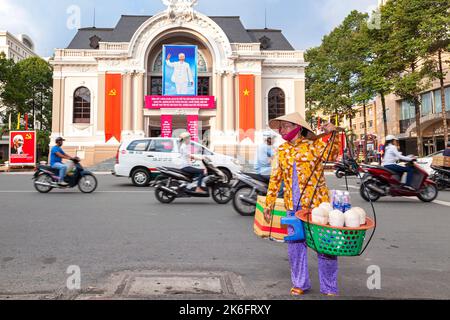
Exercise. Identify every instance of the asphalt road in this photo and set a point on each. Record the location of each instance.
(123, 229)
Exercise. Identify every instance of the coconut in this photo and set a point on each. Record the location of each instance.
(327, 206)
(320, 216)
(337, 218)
(362, 215)
(352, 218)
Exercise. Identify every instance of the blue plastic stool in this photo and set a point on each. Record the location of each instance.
(299, 231)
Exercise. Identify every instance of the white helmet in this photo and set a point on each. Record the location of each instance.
(185, 135)
(391, 137)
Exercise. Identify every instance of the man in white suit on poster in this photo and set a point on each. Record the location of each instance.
(182, 74)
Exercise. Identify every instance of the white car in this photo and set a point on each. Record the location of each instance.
(139, 159)
(425, 162)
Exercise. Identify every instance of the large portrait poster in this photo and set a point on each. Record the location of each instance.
(22, 148)
(180, 70)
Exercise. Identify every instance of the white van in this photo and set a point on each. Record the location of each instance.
(139, 159)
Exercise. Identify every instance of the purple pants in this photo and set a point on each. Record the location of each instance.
(298, 259)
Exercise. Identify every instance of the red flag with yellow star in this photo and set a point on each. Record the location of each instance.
(246, 106)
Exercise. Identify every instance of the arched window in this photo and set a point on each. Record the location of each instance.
(82, 105)
(277, 103)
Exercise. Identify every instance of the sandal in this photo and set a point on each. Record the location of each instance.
(297, 292)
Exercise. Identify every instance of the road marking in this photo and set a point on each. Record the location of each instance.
(442, 203)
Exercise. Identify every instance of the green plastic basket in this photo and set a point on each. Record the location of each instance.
(334, 241)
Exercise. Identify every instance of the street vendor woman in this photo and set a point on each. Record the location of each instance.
(293, 165)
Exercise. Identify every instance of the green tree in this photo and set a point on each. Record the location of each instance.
(333, 75)
(412, 67)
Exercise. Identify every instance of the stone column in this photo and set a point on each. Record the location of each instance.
(259, 123)
(218, 95)
(126, 104)
(56, 107)
(300, 98)
(138, 112)
(230, 104)
(101, 104)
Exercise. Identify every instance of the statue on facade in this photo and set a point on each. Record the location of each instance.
(183, 9)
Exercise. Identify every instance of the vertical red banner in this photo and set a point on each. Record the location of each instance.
(166, 126)
(192, 126)
(246, 106)
(113, 107)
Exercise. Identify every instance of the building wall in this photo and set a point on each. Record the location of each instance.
(74, 68)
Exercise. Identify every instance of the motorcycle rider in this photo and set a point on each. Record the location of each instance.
(186, 158)
(264, 156)
(56, 156)
(392, 155)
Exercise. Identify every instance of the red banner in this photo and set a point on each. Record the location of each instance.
(183, 102)
(22, 148)
(192, 125)
(247, 106)
(166, 126)
(113, 107)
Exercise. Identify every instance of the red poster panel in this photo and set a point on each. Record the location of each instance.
(166, 126)
(166, 102)
(192, 125)
(246, 106)
(22, 148)
(113, 107)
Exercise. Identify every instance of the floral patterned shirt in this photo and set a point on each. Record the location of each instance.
(306, 153)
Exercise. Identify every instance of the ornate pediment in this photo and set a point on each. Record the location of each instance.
(180, 10)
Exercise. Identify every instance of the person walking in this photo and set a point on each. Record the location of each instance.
(293, 165)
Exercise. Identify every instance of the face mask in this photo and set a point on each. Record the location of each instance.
(291, 135)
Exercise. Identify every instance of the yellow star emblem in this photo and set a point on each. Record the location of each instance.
(246, 92)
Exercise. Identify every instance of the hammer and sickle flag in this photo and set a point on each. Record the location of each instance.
(113, 107)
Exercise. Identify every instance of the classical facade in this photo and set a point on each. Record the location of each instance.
(125, 62)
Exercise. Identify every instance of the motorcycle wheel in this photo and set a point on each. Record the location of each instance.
(368, 195)
(163, 196)
(87, 183)
(43, 178)
(242, 208)
(339, 174)
(428, 193)
(222, 193)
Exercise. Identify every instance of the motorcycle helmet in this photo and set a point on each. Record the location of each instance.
(391, 138)
(185, 135)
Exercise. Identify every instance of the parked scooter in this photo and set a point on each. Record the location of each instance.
(379, 182)
(346, 168)
(46, 178)
(246, 190)
(174, 183)
(441, 176)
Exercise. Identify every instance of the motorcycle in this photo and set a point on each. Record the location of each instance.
(441, 176)
(46, 178)
(174, 183)
(379, 182)
(246, 190)
(346, 168)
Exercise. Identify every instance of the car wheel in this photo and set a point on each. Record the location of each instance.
(140, 177)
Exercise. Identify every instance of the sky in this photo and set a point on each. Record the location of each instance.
(51, 25)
